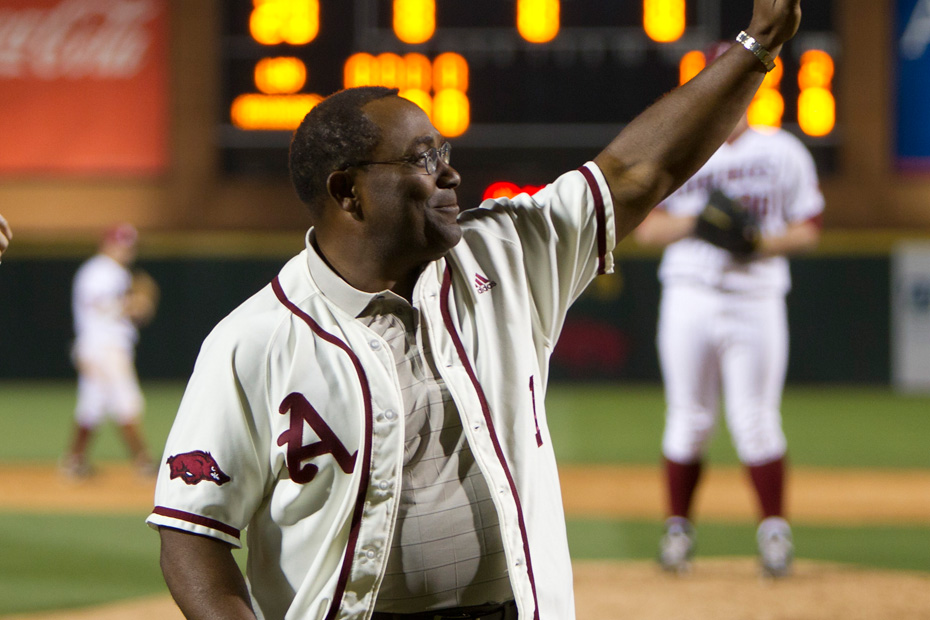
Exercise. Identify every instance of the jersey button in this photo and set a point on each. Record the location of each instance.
(370, 554)
(390, 414)
(374, 344)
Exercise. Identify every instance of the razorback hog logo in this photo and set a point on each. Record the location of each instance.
(195, 467)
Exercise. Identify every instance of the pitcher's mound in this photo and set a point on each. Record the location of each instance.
(717, 589)
(732, 589)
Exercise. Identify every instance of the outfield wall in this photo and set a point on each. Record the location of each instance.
(839, 314)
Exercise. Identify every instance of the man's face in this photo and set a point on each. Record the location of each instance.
(410, 215)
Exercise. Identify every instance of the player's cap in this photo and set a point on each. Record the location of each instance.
(715, 50)
(122, 234)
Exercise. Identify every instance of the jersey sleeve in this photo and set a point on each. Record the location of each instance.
(215, 465)
(805, 200)
(565, 233)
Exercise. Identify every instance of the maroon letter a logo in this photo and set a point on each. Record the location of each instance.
(302, 411)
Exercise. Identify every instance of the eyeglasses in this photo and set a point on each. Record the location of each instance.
(429, 159)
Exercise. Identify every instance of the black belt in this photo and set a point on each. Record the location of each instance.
(507, 611)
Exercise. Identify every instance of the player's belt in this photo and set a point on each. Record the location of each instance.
(507, 611)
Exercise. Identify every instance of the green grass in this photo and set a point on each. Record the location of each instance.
(37, 417)
(861, 427)
(59, 561)
(899, 548)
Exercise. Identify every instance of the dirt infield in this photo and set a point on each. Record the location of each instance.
(814, 495)
(719, 589)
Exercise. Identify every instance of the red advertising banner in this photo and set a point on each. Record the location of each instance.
(83, 87)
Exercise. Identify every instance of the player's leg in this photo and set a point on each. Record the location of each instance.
(754, 362)
(89, 412)
(127, 404)
(687, 354)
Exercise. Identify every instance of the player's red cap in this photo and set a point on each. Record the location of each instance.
(715, 50)
(123, 234)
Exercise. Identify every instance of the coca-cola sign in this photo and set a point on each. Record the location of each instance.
(103, 39)
(84, 85)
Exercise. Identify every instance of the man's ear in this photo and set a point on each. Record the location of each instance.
(341, 187)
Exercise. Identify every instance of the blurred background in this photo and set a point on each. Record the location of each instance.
(176, 115)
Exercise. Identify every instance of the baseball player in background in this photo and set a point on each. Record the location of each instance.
(722, 328)
(5, 235)
(109, 302)
(375, 416)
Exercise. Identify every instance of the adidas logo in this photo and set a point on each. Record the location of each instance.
(482, 284)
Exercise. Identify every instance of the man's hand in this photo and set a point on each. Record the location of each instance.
(667, 143)
(5, 235)
(774, 22)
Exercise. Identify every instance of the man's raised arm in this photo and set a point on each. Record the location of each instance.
(666, 144)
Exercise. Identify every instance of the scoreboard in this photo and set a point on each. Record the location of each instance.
(525, 89)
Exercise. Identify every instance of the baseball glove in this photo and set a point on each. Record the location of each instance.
(726, 223)
(142, 298)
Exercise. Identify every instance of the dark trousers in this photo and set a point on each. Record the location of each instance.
(507, 611)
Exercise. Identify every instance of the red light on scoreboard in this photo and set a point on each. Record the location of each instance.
(283, 75)
(271, 112)
(296, 22)
(450, 70)
(664, 20)
(816, 104)
(768, 106)
(690, 65)
(538, 20)
(419, 72)
(414, 76)
(414, 20)
(506, 189)
(451, 112)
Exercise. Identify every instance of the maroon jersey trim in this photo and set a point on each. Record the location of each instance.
(190, 517)
(486, 410)
(816, 220)
(600, 218)
(366, 457)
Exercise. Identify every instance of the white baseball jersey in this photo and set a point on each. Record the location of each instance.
(292, 425)
(773, 175)
(104, 344)
(723, 325)
(98, 293)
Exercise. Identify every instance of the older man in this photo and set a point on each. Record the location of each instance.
(375, 416)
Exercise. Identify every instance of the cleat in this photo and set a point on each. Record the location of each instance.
(676, 546)
(75, 467)
(776, 547)
(146, 468)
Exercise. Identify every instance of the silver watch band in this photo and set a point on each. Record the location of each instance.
(756, 48)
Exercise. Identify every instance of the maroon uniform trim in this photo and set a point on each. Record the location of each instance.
(486, 410)
(190, 517)
(366, 457)
(600, 219)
